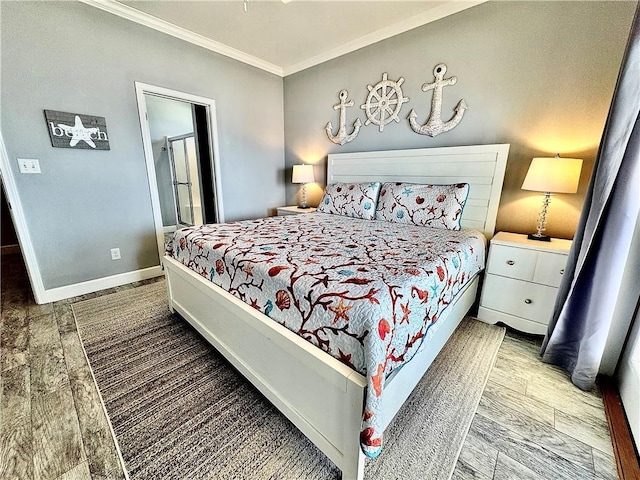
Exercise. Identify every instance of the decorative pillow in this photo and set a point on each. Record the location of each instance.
(351, 199)
(437, 206)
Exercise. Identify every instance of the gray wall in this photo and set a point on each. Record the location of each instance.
(75, 58)
(537, 75)
(167, 118)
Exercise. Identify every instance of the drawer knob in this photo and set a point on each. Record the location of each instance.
(562, 272)
(528, 301)
(510, 262)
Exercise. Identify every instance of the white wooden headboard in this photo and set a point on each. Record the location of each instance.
(481, 166)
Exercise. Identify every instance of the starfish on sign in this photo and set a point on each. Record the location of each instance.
(79, 133)
(341, 311)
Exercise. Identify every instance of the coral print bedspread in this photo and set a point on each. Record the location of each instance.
(365, 291)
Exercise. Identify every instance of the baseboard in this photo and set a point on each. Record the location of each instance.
(9, 249)
(627, 459)
(68, 291)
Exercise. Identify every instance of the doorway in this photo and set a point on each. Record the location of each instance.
(8, 235)
(181, 151)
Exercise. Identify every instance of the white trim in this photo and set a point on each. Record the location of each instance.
(9, 249)
(169, 229)
(212, 118)
(163, 26)
(68, 291)
(392, 30)
(145, 88)
(20, 224)
(389, 31)
(151, 170)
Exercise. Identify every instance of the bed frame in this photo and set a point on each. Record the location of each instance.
(321, 396)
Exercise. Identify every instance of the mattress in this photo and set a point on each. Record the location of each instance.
(364, 291)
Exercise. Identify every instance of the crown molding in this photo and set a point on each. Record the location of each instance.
(431, 15)
(397, 28)
(163, 26)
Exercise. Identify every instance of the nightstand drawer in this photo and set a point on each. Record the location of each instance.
(515, 297)
(512, 262)
(550, 268)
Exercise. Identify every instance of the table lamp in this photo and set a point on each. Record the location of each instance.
(303, 174)
(551, 175)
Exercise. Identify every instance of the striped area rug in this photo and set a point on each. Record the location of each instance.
(179, 410)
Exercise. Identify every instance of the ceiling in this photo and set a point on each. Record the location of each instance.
(283, 37)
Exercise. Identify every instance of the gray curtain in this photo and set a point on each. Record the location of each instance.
(586, 302)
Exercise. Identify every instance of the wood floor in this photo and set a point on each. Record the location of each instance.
(532, 423)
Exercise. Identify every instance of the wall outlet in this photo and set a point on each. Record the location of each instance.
(115, 254)
(29, 165)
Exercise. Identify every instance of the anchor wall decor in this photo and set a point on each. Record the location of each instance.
(341, 137)
(435, 125)
(385, 98)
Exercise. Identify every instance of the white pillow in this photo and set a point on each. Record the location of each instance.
(351, 199)
(437, 206)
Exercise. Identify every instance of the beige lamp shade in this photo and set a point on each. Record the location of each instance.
(302, 174)
(553, 175)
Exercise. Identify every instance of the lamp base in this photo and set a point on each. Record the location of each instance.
(304, 207)
(540, 238)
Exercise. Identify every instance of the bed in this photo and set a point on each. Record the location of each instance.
(321, 395)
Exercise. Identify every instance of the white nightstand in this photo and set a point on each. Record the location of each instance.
(294, 210)
(521, 281)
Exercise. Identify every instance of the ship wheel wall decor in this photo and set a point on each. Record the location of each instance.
(384, 102)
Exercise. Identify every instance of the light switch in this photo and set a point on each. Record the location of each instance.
(29, 165)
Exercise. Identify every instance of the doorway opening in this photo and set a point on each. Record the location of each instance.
(181, 150)
(8, 233)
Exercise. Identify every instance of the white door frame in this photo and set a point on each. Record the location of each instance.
(20, 224)
(141, 90)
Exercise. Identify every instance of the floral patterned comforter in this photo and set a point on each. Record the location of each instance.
(365, 291)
